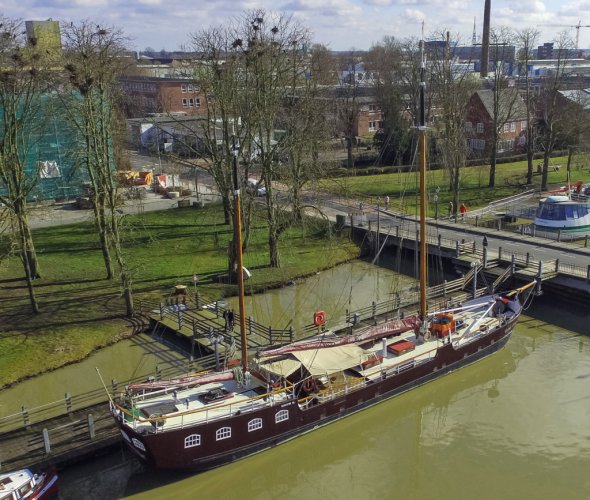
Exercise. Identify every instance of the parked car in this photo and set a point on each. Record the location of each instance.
(254, 187)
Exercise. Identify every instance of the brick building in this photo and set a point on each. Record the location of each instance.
(479, 122)
(147, 95)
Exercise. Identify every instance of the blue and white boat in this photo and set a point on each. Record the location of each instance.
(564, 216)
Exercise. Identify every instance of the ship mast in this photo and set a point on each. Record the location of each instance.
(239, 260)
(422, 170)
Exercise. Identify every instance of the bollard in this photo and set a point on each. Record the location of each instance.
(556, 265)
(558, 235)
(476, 220)
(46, 441)
(161, 311)
(513, 265)
(439, 240)
(457, 250)
(91, 432)
(528, 258)
(540, 270)
(499, 254)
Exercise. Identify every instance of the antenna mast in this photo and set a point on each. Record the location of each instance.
(422, 143)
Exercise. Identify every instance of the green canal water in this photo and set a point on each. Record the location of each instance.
(513, 426)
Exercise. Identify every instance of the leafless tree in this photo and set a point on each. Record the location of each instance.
(389, 60)
(95, 58)
(550, 112)
(451, 90)
(505, 97)
(347, 101)
(527, 39)
(24, 81)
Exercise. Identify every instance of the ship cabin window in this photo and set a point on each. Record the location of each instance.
(282, 415)
(555, 211)
(223, 433)
(254, 424)
(192, 440)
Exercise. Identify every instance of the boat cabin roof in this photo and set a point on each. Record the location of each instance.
(15, 481)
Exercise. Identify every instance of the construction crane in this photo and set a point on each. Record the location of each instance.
(577, 26)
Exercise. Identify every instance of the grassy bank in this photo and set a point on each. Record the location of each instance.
(474, 191)
(81, 311)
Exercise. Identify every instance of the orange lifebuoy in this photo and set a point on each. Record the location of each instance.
(319, 318)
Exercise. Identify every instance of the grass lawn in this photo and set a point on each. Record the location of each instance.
(82, 311)
(402, 188)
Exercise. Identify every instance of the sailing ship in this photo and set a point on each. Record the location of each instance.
(203, 421)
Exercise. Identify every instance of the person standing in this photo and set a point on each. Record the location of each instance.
(386, 202)
(450, 209)
(485, 241)
(462, 211)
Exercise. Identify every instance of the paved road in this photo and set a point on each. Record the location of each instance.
(538, 248)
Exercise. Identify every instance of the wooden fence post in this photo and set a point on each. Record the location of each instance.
(46, 441)
(91, 432)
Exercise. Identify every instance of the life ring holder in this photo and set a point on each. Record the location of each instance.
(427, 335)
(319, 318)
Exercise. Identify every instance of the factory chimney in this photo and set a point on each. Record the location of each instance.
(485, 40)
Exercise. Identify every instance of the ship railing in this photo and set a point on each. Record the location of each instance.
(217, 412)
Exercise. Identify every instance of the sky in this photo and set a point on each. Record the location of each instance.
(338, 24)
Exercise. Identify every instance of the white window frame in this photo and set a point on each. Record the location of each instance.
(185, 103)
(254, 424)
(506, 127)
(222, 433)
(183, 88)
(468, 127)
(523, 125)
(197, 102)
(281, 416)
(512, 126)
(191, 102)
(192, 440)
(480, 128)
(372, 126)
(189, 87)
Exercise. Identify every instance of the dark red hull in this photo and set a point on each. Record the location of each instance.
(47, 486)
(166, 450)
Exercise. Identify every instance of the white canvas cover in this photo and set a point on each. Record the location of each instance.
(331, 360)
(282, 368)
